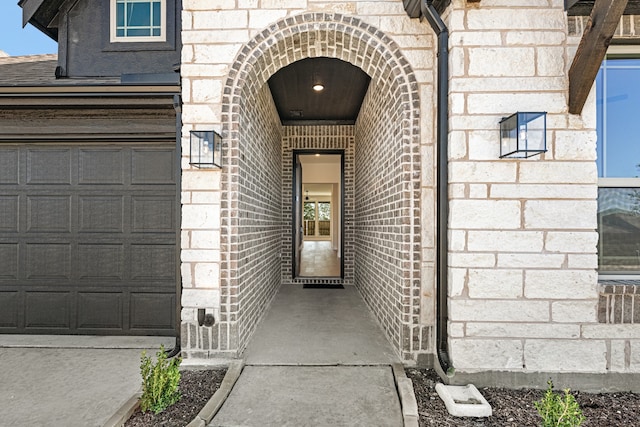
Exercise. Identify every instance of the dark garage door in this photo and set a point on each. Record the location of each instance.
(88, 239)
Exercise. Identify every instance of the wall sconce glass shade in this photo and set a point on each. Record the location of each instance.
(523, 134)
(206, 149)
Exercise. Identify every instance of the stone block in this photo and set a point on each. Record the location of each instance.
(574, 311)
(571, 241)
(483, 145)
(575, 145)
(485, 214)
(215, 53)
(200, 255)
(220, 19)
(206, 275)
(478, 191)
(515, 19)
(547, 191)
(201, 239)
(205, 197)
(457, 240)
(461, 259)
(457, 281)
(530, 260)
(559, 173)
(482, 172)
(457, 145)
(561, 284)
(498, 311)
(522, 330)
(261, 18)
(502, 61)
(582, 261)
(480, 354)
(474, 38)
(565, 355)
(606, 331)
(201, 217)
(535, 38)
(492, 283)
(456, 330)
(201, 298)
(618, 355)
(511, 84)
(206, 90)
(500, 104)
(505, 241)
(550, 61)
(560, 214)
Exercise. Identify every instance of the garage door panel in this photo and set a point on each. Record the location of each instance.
(100, 310)
(9, 166)
(153, 166)
(154, 214)
(101, 261)
(153, 262)
(8, 261)
(101, 166)
(47, 310)
(152, 311)
(101, 213)
(48, 261)
(9, 301)
(48, 214)
(48, 166)
(9, 213)
(88, 239)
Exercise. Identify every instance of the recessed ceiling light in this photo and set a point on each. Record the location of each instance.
(318, 87)
(317, 155)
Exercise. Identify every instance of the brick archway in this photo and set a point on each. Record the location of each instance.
(354, 41)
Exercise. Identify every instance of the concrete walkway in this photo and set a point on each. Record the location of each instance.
(77, 385)
(317, 359)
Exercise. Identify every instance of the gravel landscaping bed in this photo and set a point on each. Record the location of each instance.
(515, 407)
(196, 387)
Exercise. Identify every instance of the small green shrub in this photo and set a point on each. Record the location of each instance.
(559, 410)
(159, 382)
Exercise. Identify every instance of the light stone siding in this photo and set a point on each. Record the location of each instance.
(523, 280)
(522, 285)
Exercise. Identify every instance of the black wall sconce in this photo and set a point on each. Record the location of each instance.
(206, 149)
(523, 134)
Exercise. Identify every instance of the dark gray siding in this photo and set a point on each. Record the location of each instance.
(85, 49)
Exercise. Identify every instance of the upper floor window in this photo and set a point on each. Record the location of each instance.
(138, 20)
(618, 148)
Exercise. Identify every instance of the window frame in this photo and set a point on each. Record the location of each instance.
(618, 52)
(113, 38)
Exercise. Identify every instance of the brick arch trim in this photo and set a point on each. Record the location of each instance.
(295, 38)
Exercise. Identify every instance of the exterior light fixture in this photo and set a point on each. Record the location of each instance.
(206, 149)
(318, 87)
(523, 134)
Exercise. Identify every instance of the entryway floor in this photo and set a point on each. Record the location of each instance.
(319, 327)
(318, 358)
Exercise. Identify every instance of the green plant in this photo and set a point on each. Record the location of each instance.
(559, 410)
(159, 382)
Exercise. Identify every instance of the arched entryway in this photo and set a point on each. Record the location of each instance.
(382, 176)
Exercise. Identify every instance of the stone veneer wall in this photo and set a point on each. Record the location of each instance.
(317, 138)
(230, 49)
(523, 281)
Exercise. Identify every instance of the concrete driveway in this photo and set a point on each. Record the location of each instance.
(68, 381)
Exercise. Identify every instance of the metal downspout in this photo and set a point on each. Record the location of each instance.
(442, 192)
(177, 106)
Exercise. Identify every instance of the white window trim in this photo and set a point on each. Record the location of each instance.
(163, 26)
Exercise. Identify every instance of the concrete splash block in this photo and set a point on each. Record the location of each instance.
(464, 401)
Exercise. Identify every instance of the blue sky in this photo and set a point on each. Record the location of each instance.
(16, 40)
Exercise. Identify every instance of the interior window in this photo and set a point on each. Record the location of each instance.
(618, 101)
(138, 20)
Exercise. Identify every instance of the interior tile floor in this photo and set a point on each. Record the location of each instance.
(318, 259)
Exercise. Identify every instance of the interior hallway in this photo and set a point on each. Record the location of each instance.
(318, 259)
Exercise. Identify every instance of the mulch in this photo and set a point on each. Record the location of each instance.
(196, 387)
(515, 407)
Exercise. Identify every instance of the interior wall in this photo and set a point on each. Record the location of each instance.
(259, 212)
